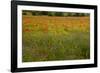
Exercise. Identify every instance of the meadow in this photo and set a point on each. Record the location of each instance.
(51, 38)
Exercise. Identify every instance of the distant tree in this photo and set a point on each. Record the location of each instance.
(33, 12)
(24, 13)
(49, 14)
(83, 14)
(58, 14)
(70, 14)
(65, 14)
(44, 13)
(74, 14)
(37, 13)
(86, 14)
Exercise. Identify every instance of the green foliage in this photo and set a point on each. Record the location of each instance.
(39, 13)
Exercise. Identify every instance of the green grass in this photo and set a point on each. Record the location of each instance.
(40, 46)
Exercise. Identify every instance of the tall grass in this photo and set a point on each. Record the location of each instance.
(45, 47)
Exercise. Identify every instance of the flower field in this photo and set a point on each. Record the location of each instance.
(51, 38)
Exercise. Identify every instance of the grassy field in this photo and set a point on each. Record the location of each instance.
(50, 38)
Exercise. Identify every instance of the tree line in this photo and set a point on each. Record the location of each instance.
(40, 13)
